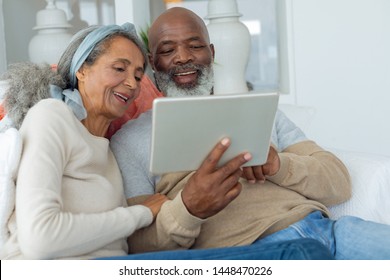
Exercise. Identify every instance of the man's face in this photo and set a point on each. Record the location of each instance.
(182, 58)
(202, 85)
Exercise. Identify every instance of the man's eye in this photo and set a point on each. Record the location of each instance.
(197, 47)
(167, 51)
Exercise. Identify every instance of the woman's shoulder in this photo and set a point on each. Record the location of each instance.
(51, 106)
(49, 110)
(50, 103)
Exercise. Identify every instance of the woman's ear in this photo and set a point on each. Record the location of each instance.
(80, 74)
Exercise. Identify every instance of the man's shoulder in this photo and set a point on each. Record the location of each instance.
(136, 128)
(144, 121)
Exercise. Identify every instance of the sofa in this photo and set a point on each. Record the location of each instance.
(370, 175)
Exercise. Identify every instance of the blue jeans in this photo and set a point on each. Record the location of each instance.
(348, 238)
(301, 249)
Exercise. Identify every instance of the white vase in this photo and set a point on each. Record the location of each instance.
(52, 38)
(232, 40)
(48, 45)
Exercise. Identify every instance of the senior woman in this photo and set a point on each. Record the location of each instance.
(69, 195)
(70, 201)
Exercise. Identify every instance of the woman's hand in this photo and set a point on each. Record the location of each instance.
(154, 203)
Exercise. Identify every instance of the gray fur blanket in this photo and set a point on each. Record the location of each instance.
(29, 83)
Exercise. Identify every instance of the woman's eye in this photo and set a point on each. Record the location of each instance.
(138, 79)
(119, 69)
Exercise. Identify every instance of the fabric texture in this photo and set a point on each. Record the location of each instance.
(300, 249)
(10, 152)
(72, 98)
(370, 175)
(76, 184)
(347, 238)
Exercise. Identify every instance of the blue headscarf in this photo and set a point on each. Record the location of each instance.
(72, 96)
(89, 43)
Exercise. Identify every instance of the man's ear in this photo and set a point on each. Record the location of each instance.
(212, 50)
(150, 57)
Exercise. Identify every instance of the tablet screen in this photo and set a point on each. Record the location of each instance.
(185, 129)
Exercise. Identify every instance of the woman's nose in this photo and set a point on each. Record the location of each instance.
(131, 82)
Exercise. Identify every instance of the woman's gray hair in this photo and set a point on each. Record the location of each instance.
(65, 62)
(29, 82)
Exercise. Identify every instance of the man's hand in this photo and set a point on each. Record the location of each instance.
(211, 189)
(155, 202)
(257, 173)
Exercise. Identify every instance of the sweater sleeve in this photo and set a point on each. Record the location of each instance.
(45, 229)
(314, 173)
(174, 228)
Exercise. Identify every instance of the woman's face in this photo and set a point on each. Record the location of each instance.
(110, 85)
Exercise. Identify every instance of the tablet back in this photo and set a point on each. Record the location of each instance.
(185, 129)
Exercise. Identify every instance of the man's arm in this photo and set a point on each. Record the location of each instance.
(195, 197)
(131, 147)
(325, 178)
(302, 166)
(174, 228)
(314, 173)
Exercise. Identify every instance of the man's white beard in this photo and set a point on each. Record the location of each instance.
(203, 86)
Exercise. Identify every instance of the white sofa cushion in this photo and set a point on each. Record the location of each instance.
(370, 175)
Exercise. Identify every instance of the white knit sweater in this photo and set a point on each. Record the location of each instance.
(69, 196)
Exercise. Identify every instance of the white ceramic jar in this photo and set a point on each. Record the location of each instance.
(232, 42)
(52, 38)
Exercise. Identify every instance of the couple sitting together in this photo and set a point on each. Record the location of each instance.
(80, 195)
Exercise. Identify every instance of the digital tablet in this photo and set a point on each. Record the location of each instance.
(185, 129)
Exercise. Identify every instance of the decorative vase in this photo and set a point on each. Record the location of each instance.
(52, 38)
(232, 40)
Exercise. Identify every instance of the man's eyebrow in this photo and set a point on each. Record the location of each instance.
(172, 42)
(166, 42)
(194, 38)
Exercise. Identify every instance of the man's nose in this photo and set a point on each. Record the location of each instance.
(183, 55)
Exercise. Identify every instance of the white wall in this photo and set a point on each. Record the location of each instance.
(341, 57)
(339, 61)
(3, 58)
(136, 12)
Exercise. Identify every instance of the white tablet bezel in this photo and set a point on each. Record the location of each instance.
(185, 129)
